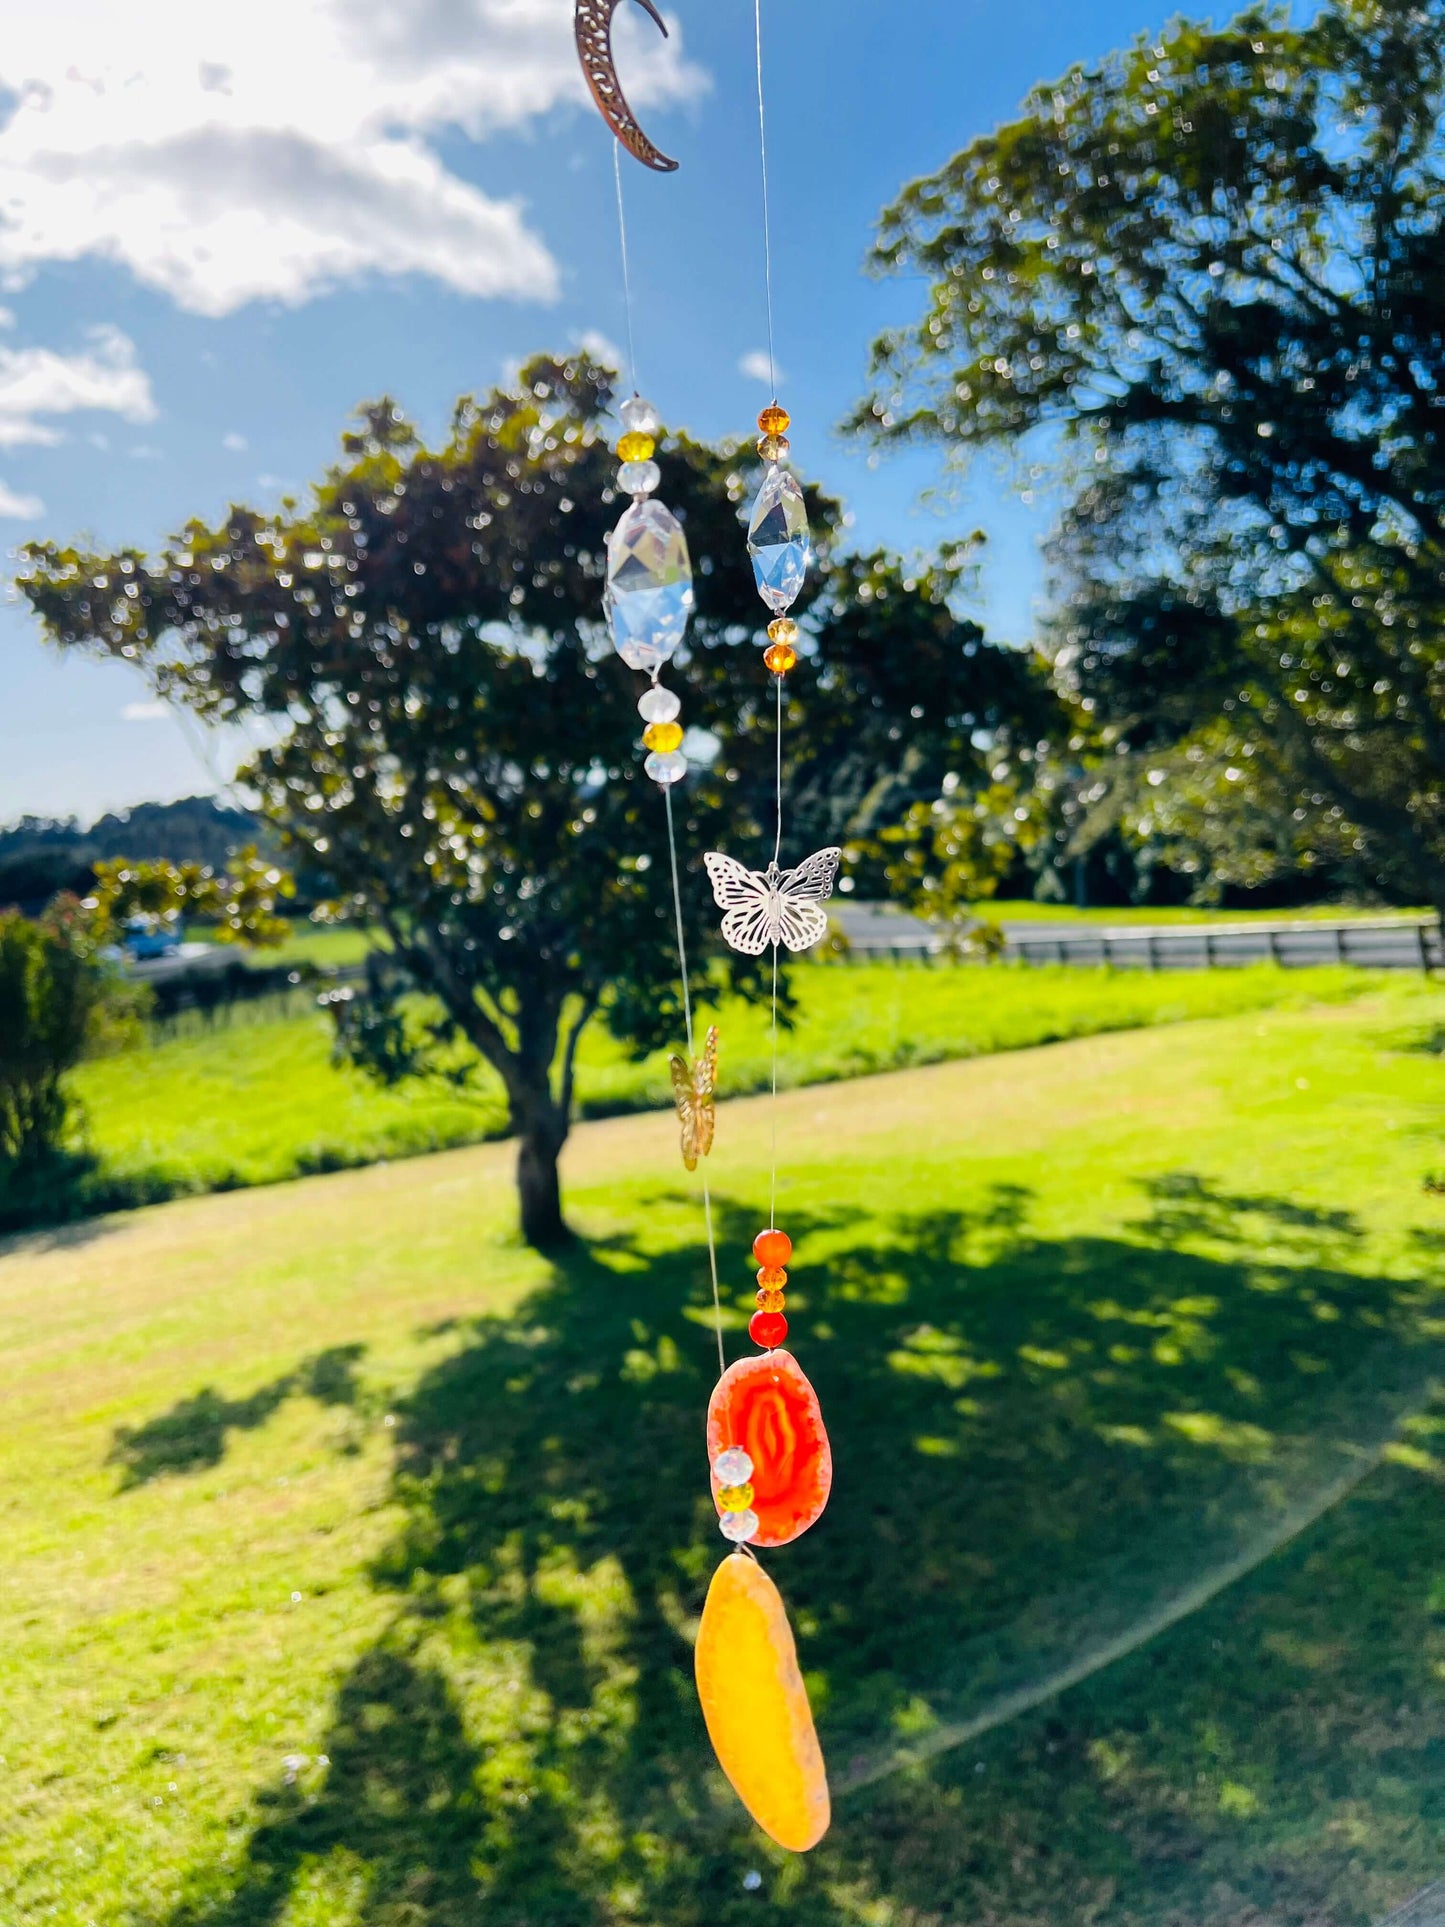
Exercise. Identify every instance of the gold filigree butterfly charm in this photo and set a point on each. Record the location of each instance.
(694, 1086)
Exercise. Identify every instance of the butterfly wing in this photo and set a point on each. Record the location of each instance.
(684, 1097)
(749, 923)
(704, 1077)
(801, 923)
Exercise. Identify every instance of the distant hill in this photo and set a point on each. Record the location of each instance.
(40, 855)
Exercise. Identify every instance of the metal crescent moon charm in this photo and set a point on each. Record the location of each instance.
(593, 25)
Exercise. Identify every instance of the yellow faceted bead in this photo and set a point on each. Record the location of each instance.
(780, 657)
(782, 629)
(662, 736)
(774, 420)
(770, 1301)
(735, 1498)
(773, 448)
(635, 447)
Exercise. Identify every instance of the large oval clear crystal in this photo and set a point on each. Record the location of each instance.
(778, 539)
(649, 584)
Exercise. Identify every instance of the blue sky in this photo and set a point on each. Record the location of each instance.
(222, 228)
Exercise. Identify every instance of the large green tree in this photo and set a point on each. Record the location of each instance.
(455, 744)
(1206, 279)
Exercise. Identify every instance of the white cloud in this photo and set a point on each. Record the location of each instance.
(233, 154)
(602, 348)
(757, 367)
(39, 381)
(21, 506)
(236, 443)
(143, 712)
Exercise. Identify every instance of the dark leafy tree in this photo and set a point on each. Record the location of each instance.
(456, 745)
(1207, 278)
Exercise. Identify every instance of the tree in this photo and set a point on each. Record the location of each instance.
(1207, 278)
(456, 745)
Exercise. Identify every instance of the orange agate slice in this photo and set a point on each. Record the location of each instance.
(767, 1406)
(756, 1706)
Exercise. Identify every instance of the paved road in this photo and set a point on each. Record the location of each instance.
(1379, 943)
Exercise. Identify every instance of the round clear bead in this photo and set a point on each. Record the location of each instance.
(639, 417)
(658, 705)
(638, 478)
(666, 766)
(732, 1467)
(738, 1526)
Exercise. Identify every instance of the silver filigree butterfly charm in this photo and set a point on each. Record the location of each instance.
(772, 906)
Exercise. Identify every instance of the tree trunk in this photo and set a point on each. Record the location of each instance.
(541, 1128)
(540, 1193)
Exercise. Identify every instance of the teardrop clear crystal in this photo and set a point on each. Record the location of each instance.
(649, 584)
(778, 539)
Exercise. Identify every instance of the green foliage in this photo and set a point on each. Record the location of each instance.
(59, 1001)
(456, 744)
(49, 988)
(372, 1543)
(238, 904)
(1209, 271)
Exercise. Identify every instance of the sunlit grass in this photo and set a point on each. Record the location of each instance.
(352, 1551)
(256, 1100)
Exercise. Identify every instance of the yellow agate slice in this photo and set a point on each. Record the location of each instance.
(756, 1705)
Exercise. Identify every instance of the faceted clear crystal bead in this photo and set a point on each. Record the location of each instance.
(658, 705)
(778, 539)
(638, 478)
(639, 417)
(738, 1526)
(666, 766)
(733, 1466)
(649, 584)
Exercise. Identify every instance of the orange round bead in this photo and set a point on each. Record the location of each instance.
(662, 736)
(767, 1328)
(774, 420)
(770, 1301)
(780, 657)
(772, 1247)
(635, 446)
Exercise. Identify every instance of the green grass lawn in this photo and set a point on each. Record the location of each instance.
(1027, 911)
(254, 1101)
(353, 1552)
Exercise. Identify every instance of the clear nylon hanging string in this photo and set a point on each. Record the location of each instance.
(691, 1057)
(777, 847)
(778, 733)
(763, 161)
(626, 274)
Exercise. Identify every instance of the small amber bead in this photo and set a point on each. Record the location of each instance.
(735, 1498)
(635, 446)
(770, 1301)
(772, 1247)
(782, 629)
(773, 448)
(774, 420)
(780, 657)
(662, 736)
(767, 1328)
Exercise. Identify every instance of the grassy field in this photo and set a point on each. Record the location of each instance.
(255, 1101)
(1124, 915)
(353, 1552)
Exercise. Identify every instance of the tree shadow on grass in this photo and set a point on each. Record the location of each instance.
(1014, 1420)
(192, 1435)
